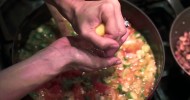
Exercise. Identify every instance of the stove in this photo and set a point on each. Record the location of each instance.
(12, 13)
(174, 83)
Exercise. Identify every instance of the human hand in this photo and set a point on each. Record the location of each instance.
(78, 54)
(85, 16)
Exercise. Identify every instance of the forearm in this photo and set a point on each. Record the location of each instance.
(20, 79)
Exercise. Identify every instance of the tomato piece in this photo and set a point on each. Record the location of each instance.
(71, 74)
(52, 95)
(50, 91)
(77, 90)
(55, 89)
(131, 46)
(100, 87)
(148, 86)
(91, 95)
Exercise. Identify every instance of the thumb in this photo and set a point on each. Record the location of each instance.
(102, 42)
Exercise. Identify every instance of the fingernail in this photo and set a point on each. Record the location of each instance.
(114, 46)
(118, 62)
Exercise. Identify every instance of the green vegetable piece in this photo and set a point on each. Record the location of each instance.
(129, 96)
(119, 88)
(115, 76)
(142, 95)
(73, 33)
(107, 72)
(126, 66)
(142, 38)
(125, 58)
(34, 95)
(67, 84)
(142, 69)
(136, 33)
(87, 98)
(87, 82)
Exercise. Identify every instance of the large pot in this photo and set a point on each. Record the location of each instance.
(134, 15)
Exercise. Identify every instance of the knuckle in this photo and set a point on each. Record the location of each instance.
(101, 64)
(97, 63)
(107, 7)
(103, 45)
(116, 33)
(115, 3)
(84, 32)
(122, 31)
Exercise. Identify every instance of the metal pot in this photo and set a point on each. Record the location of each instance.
(134, 15)
(180, 25)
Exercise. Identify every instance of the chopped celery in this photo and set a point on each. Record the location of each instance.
(126, 66)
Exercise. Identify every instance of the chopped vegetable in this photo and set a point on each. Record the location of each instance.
(182, 52)
(126, 66)
(119, 88)
(132, 80)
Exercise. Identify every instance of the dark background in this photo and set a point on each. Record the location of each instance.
(174, 85)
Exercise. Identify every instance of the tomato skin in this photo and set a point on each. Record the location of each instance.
(55, 89)
(53, 93)
(77, 90)
(100, 87)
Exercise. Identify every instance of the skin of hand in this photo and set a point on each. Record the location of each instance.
(82, 52)
(85, 16)
(62, 55)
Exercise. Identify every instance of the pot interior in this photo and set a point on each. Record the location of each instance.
(134, 15)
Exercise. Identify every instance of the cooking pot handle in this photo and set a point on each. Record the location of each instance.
(176, 5)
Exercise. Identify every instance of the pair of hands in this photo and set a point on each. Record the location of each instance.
(85, 16)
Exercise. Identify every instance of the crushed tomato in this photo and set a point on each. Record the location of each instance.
(133, 79)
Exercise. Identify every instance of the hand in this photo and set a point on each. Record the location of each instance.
(85, 16)
(76, 51)
(23, 77)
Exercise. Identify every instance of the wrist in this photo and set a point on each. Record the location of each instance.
(53, 60)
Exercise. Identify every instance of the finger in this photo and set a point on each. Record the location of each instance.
(84, 68)
(80, 42)
(61, 42)
(110, 52)
(124, 38)
(102, 42)
(119, 18)
(94, 62)
(109, 19)
(105, 62)
(80, 67)
(99, 63)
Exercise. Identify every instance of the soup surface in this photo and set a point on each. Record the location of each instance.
(131, 80)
